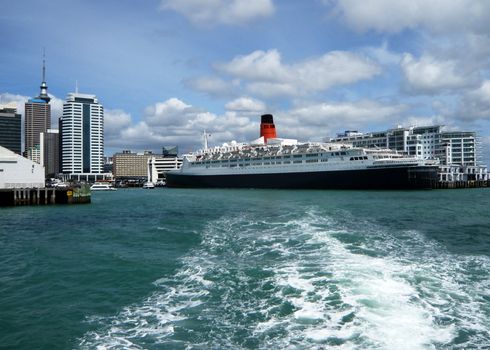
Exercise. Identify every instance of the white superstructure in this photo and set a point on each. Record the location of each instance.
(289, 156)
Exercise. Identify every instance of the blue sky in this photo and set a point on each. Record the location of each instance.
(165, 70)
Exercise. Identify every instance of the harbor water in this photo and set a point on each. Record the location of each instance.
(248, 269)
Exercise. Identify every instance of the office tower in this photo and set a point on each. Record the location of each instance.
(37, 117)
(82, 135)
(49, 152)
(10, 128)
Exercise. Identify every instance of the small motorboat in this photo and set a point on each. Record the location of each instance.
(148, 185)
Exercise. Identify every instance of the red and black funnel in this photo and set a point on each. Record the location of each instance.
(267, 127)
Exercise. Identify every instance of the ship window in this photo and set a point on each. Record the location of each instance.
(312, 155)
(297, 161)
(337, 153)
(298, 156)
(324, 160)
(266, 163)
(343, 153)
(351, 158)
(287, 162)
(311, 160)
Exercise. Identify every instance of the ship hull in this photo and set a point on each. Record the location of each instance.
(406, 177)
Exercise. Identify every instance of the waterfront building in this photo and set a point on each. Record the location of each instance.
(37, 117)
(428, 142)
(159, 165)
(10, 128)
(82, 138)
(49, 152)
(19, 172)
(129, 165)
(458, 147)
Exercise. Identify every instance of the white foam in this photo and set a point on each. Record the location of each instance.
(321, 291)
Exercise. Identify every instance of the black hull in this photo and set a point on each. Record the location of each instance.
(415, 177)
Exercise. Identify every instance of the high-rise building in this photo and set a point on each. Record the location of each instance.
(10, 128)
(37, 117)
(49, 152)
(82, 136)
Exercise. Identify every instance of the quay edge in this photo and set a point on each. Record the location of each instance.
(44, 196)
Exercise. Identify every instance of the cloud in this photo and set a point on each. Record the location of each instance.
(475, 104)
(229, 12)
(246, 104)
(428, 75)
(266, 75)
(115, 120)
(211, 85)
(174, 122)
(346, 114)
(438, 16)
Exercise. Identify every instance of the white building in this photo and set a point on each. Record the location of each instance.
(82, 136)
(159, 165)
(19, 172)
(428, 142)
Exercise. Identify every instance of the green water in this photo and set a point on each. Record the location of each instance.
(247, 269)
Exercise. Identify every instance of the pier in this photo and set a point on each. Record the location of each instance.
(461, 184)
(44, 196)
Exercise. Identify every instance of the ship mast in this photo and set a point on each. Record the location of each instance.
(205, 137)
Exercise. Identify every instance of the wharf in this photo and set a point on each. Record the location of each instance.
(461, 184)
(44, 196)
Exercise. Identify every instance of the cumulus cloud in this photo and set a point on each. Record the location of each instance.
(115, 120)
(229, 12)
(268, 76)
(174, 122)
(394, 16)
(246, 104)
(428, 75)
(476, 103)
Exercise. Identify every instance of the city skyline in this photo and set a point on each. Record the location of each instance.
(166, 70)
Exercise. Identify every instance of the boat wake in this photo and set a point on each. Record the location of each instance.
(305, 283)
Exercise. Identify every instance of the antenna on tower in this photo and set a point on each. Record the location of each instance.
(44, 64)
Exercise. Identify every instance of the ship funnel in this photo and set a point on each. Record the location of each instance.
(267, 127)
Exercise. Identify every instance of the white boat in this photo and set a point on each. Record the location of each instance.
(102, 187)
(148, 185)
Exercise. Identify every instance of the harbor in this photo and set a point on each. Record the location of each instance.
(140, 269)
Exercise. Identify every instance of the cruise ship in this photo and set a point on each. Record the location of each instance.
(272, 162)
